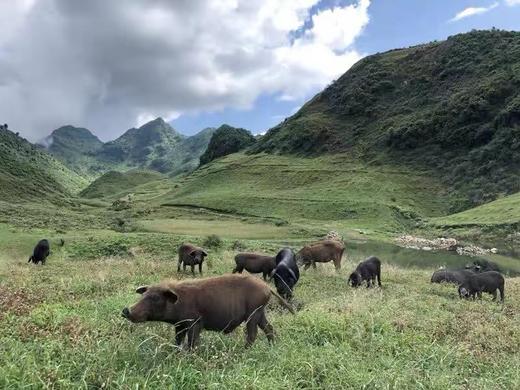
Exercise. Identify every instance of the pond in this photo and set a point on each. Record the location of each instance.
(404, 257)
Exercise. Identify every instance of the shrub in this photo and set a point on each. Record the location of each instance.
(213, 241)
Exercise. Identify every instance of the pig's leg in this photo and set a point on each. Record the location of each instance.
(180, 334)
(266, 327)
(494, 295)
(193, 269)
(313, 264)
(200, 268)
(252, 328)
(194, 333)
(179, 265)
(337, 264)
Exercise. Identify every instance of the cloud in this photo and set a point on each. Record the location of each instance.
(108, 67)
(471, 11)
(512, 3)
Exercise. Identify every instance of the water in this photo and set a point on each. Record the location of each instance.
(403, 257)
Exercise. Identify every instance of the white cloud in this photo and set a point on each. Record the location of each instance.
(512, 3)
(471, 11)
(109, 67)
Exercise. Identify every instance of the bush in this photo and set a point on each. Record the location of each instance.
(238, 246)
(213, 241)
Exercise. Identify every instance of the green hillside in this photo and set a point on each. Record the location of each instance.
(504, 211)
(193, 147)
(452, 107)
(226, 140)
(28, 173)
(113, 183)
(330, 191)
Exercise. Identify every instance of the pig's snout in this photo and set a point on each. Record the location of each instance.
(125, 313)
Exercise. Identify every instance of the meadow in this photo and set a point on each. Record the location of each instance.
(60, 324)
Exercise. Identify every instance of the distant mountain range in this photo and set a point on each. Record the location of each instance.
(155, 146)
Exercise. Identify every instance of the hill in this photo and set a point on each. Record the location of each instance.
(29, 173)
(451, 107)
(75, 147)
(113, 183)
(329, 192)
(226, 140)
(503, 211)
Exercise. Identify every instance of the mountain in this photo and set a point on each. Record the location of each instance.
(29, 173)
(452, 107)
(140, 146)
(75, 147)
(155, 145)
(226, 140)
(195, 145)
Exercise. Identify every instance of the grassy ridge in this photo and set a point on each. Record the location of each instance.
(328, 191)
(500, 212)
(113, 183)
(60, 326)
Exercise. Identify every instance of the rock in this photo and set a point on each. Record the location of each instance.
(493, 250)
(333, 235)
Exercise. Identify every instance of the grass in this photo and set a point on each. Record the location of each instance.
(503, 211)
(330, 192)
(113, 183)
(60, 325)
(228, 229)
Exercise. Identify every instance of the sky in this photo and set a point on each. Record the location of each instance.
(112, 65)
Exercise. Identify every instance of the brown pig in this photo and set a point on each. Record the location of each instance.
(191, 255)
(321, 252)
(254, 263)
(220, 304)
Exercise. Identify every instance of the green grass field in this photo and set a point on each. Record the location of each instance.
(500, 212)
(60, 325)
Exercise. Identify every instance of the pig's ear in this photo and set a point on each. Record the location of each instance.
(141, 289)
(192, 253)
(205, 253)
(170, 295)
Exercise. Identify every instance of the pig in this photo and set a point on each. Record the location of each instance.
(456, 276)
(191, 255)
(254, 263)
(489, 282)
(41, 252)
(321, 252)
(219, 304)
(366, 270)
(286, 273)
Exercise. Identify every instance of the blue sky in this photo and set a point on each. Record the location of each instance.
(393, 24)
